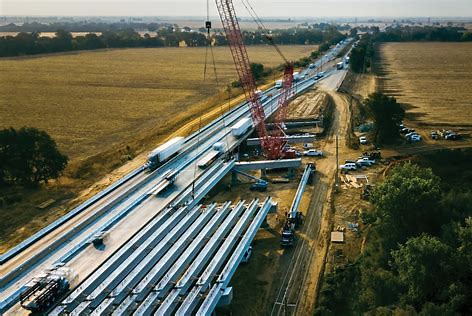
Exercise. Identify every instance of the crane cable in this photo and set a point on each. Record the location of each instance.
(217, 82)
(260, 24)
(209, 45)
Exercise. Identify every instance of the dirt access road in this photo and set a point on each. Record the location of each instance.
(296, 295)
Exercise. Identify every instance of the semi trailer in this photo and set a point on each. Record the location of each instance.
(241, 127)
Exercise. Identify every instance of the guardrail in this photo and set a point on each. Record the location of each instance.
(46, 230)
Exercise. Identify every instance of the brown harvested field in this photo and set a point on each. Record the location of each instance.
(434, 80)
(91, 100)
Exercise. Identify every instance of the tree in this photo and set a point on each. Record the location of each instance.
(424, 266)
(29, 156)
(257, 70)
(387, 115)
(62, 42)
(407, 203)
(357, 59)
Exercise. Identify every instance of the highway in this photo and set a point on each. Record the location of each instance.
(126, 210)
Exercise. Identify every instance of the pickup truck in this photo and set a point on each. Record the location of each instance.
(363, 161)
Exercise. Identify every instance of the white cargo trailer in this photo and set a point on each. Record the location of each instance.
(162, 153)
(278, 84)
(241, 127)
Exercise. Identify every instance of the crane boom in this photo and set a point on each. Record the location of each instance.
(272, 145)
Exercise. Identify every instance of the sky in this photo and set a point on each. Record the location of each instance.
(265, 8)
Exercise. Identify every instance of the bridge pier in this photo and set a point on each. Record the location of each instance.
(264, 174)
(291, 173)
(234, 178)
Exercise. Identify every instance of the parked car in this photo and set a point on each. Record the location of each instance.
(367, 159)
(348, 166)
(451, 136)
(414, 138)
(410, 134)
(406, 130)
(313, 153)
(363, 140)
(372, 155)
(434, 135)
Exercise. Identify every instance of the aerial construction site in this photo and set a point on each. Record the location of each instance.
(263, 196)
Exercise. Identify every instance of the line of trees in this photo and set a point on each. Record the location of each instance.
(33, 43)
(83, 26)
(423, 33)
(29, 156)
(361, 55)
(419, 256)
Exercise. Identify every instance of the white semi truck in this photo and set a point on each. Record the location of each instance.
(278, 84)
(164, 152)
(241, 127)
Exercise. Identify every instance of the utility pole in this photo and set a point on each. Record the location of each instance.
(337, 164)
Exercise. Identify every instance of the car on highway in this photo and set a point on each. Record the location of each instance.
(320, 75)
(348, 166)
(363, 140)
(313, 153)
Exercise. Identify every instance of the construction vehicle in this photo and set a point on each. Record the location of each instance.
(288, 235)
(43, 291)
(260, 185)
(164, 152)
(272, 144)
(294, 217)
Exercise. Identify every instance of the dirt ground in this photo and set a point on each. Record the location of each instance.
(310, 104)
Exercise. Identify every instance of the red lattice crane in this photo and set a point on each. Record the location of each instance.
(272, 143)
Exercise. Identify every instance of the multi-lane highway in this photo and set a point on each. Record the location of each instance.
(126, 209)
